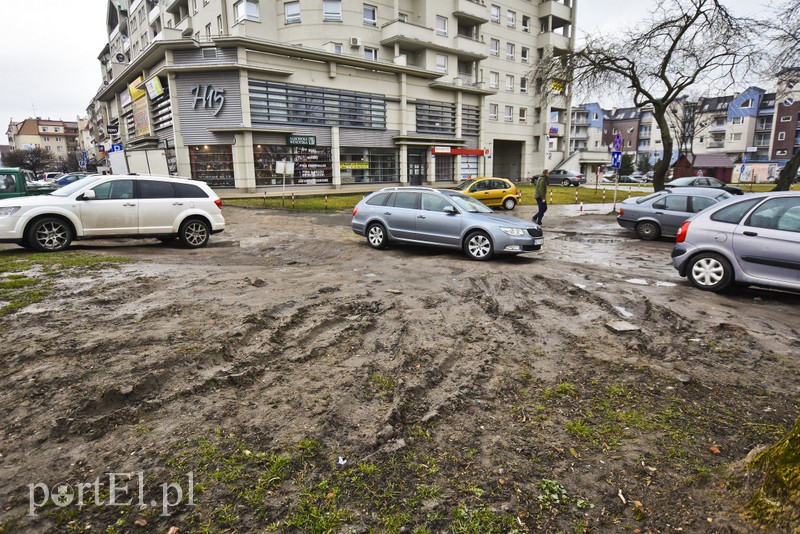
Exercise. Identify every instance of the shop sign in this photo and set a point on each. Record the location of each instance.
(141, 117)
(133, 89)
(112, 129)
(353, 165)
(208, 97)
(301, 140)
(441, 150)
(154, 87)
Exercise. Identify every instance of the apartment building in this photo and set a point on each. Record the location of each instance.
(247, 93)
(58, 137)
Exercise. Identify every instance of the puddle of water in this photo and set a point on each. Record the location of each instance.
(665, 284)
(592, 239)
(623, 312)
(637, 281)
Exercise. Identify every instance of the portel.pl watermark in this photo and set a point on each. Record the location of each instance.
(117, 489)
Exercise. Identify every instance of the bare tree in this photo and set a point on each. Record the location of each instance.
(783, 31)
(684, 44)
(35, 159)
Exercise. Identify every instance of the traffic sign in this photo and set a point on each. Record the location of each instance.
(616, 160)
(617, 143)
(116, 147)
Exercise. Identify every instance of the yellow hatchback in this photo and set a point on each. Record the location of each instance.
(494, 192)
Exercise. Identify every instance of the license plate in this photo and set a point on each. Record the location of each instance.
(538, 241)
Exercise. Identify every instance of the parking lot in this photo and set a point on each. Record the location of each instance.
(590, 363)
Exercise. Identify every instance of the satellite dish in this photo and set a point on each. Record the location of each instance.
(120, 57)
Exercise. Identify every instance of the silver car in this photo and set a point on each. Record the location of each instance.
(443, 218)
(746, 240)
(663, 212)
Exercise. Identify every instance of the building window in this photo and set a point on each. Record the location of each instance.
(194, 9)
(370, 15)
(786, 118)
(738, 120)
(523, 85)
(436, 117)
(337, 48)
(246, 10)
(494, 47)
(292, 12)
(523, 114)
(526, 23)
(402, 17)
(494, 80)
(493, 112)
(509, 113)
(219, 24)
(524, 54)
(208, 31)
(781, 136)
(212, 164)
(511, 19)
(780, 153)
(736, 137)
(441, 63)
(332, 10)
(747, 103)
(441, 25)
(494, 13)
(371, 54)
(510, 51)
(509, 82)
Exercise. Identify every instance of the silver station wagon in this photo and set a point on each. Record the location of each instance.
(753, 240)
(443, 218)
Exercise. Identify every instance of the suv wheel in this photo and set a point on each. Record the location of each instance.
(509, 203)
(710, 272)
(376, 236)
(478, 246)
(194, 233)
(648, 230)
(50, 234)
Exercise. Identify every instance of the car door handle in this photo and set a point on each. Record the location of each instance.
(420, 216)
(177, 203)
(129, 204)
(750, 234)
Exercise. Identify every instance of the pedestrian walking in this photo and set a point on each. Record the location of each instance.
(540, 193)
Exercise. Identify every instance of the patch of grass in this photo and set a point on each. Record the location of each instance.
(384, 384)
(561, 390)
(27, 278)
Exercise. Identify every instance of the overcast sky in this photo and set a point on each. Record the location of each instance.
(49, 67)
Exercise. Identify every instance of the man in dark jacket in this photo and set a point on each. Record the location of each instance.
(540, 193)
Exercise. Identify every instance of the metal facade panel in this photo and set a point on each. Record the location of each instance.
(359, 137)
(206, 101)
(205, 56)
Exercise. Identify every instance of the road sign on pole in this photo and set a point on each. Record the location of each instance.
(617, 143)
(616, 160)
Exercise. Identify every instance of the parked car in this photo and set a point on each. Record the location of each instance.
(16, 182)
(564, 177)
(638, 175)
(630, 179)
(494, 192)
(113, 206)
(705, 181)
(71, 177)
(48, 176)
(752, 240)
(663, 212)
(442, 218)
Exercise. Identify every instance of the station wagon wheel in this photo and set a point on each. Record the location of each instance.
(376, 236)
(478, 246)
(710, 272)
(648, 230)
(194, 233)
(565, 182)
(49, 234)
(509, 203)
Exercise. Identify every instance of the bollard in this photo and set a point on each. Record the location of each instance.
(576, 196)
(581, 206)
(326, 202)
(292, 199)
(604, 196)
(551, 196)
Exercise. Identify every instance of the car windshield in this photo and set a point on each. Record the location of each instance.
(465, 184)
(67, 190)
(470, 204)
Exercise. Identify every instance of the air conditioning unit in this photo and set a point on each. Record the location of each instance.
(355, 42)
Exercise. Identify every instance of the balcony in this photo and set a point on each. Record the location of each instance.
(555, 40)
(414, 37)
(715, 144)
(555, 9)
(471, 11)
(556, 129)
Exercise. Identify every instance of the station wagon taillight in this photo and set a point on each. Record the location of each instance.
(681, 237)
(218, 202)
(355, 210)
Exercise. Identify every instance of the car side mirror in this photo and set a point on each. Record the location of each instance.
(450, 210)
(88, 195)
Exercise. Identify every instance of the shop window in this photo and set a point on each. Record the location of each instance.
(311, 165)
(368, 165)
(212, 164)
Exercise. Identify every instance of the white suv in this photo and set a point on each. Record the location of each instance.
(113, 206)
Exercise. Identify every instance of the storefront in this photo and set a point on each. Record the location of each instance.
(368, 165)
(212, 164)
(448, 159)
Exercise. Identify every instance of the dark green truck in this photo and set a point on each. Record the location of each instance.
(15, 182)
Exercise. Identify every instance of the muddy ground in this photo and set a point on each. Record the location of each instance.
(289, 378)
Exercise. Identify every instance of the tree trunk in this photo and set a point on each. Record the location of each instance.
(776, 503)
(787, 176)
(662, 165)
